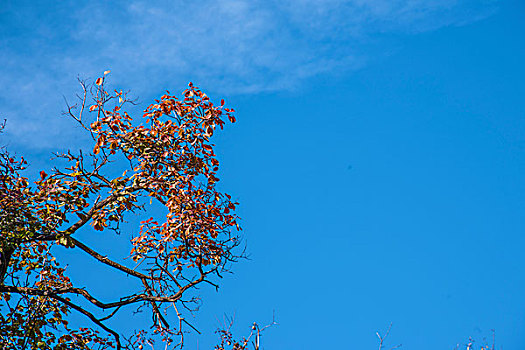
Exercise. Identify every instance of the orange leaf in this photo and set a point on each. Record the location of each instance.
(99, 81)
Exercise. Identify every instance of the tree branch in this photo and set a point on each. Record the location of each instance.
(105, 260)
(154, 305)
(131, 299)
(91, 317)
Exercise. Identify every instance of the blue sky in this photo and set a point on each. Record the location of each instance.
(379, 155)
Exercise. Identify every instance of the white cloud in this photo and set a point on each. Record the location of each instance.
(228, 46)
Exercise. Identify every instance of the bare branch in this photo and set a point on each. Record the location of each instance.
(105, 260)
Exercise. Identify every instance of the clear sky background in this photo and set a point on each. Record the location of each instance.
(379, 154)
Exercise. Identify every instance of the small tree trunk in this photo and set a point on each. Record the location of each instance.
(5, 258)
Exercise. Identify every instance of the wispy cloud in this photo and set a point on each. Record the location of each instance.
(231, 46)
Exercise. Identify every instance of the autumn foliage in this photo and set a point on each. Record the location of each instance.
(162, 167)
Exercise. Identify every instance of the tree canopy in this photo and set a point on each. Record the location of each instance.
(161, 167)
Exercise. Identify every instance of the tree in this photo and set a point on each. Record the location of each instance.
(164, 159)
